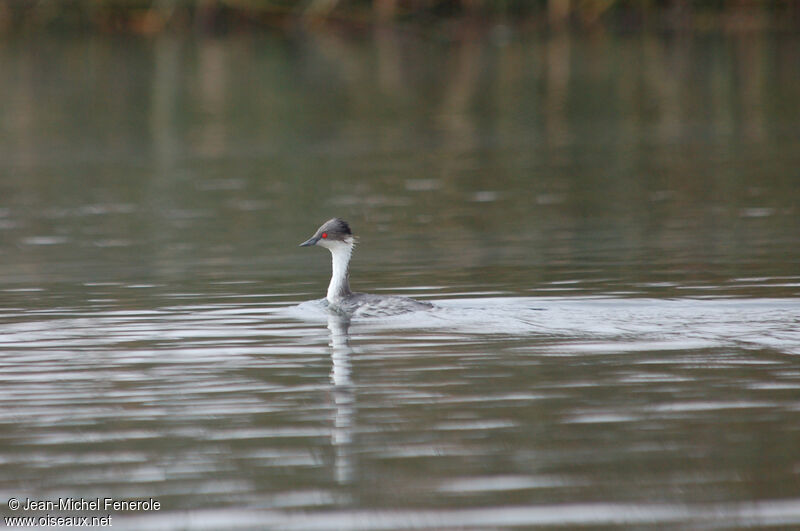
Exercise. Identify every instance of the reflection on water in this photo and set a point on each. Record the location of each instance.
(343, 396)
(608, 226)
(627, 410)
(669, 159)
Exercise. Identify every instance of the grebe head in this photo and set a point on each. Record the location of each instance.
(336, 236)
(334, 233)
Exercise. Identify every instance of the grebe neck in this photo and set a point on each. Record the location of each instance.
(340, 272)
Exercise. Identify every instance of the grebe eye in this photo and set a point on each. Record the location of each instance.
(324, 234)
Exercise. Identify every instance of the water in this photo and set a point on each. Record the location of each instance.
(608, 229)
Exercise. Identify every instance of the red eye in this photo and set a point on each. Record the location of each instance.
(324, 234)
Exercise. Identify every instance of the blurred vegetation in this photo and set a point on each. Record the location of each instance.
(222, 16)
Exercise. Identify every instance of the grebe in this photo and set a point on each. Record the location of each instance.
(336, 236)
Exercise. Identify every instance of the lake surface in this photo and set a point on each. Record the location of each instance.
(609, 227)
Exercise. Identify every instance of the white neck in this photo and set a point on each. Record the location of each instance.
(340, 259)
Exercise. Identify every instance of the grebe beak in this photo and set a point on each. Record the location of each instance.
(311, 241)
